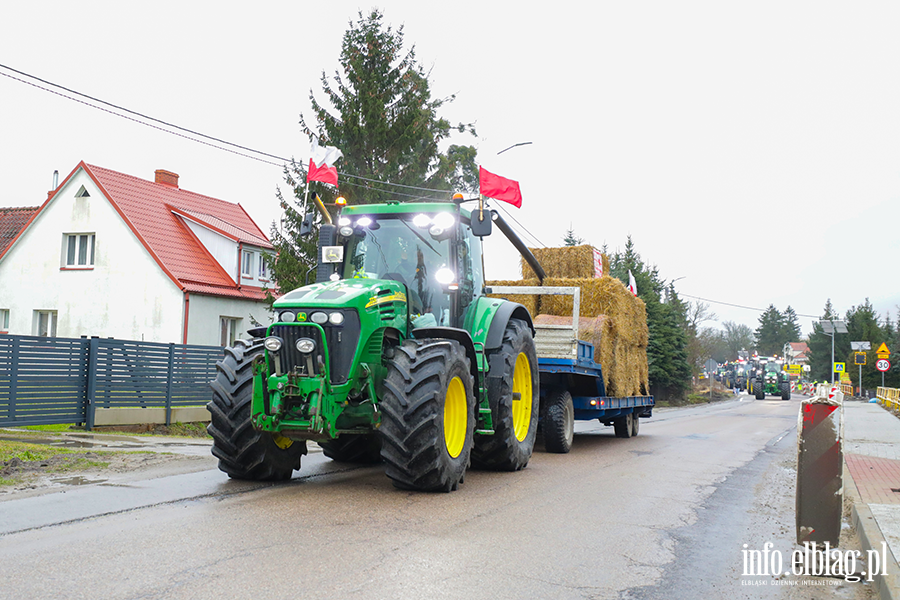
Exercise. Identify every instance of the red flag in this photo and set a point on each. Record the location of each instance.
(499, 188)
(325, 174)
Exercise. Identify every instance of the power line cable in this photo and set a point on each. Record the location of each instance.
(759, 310)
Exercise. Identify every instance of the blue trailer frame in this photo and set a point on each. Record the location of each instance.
(583, 378)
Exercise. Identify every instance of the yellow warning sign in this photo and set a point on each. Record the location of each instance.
(883, 349)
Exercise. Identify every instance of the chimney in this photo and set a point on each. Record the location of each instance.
(167, 178)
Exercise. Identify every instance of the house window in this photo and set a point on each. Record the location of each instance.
(263, 266)
(4, 320)
(45, 323)
(79, 249)
(229, 327)
(247, 264)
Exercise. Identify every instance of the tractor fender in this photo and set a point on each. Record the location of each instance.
(506, 311)
(453, 333)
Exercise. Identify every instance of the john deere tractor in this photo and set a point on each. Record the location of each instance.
(771, 380)
(395, 354)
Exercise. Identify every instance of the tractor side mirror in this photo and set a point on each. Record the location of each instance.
(481, 227)
(306, 225)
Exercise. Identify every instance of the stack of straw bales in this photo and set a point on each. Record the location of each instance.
(612, 318)
(572, 262)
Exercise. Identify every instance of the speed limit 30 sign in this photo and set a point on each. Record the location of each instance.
(883, 364)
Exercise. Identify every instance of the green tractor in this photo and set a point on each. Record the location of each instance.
(395, 354)
(771, 380)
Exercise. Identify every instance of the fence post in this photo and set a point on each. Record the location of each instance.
(90, 397)
(169, 384)
(13, 378)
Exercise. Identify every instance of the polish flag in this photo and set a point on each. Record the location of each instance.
(499, 188)
(321, 163)
(632, 284)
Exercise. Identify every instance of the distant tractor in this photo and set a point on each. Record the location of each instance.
(771, 380)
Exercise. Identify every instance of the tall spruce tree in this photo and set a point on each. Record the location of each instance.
(380, 113)
(820, 347)
(770, 333)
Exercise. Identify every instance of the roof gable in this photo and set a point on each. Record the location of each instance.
(147, 208)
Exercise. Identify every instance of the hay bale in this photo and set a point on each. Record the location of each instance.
(529, 301)
(573, 262)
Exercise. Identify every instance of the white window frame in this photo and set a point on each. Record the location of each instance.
(263, 266)
(74, 246)
(4, 320)
(228, 330)
(52, 320)
(247, 264)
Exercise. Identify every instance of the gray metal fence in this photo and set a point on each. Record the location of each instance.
(58, 380)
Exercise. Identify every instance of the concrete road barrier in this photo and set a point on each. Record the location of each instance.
(820, 434)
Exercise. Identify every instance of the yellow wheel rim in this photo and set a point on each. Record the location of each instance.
(455, 417)
(522, 397)
(281, 441)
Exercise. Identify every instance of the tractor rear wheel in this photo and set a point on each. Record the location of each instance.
(427, 415)
(624, 426)
(514, 398)
(358, 449)
(785, 391)
(243, 452)
(558, 421)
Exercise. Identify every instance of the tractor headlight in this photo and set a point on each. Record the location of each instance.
(286, 317)
(444, 220)
(346, 231)
(319, 318)
(364, 221)
(336, 318)
(422, 221)
(306, 346)
(444, 275)
(343, 222)
(273, 343)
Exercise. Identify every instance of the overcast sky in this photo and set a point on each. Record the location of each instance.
(751, 150)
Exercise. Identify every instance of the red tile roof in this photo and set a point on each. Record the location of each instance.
(147, 208)
(12, 221)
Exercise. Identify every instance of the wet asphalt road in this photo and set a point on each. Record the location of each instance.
(614, 518)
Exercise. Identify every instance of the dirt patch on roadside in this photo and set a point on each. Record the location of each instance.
(83, 468)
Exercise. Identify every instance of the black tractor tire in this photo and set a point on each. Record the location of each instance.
(508, 377)
(558, 421)
(427, 415)
(243, 452)
(785, 391)
(624, 425)
(355, 449)
(635, 425)
(760, 390)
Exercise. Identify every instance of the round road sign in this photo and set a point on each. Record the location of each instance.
(883, 364)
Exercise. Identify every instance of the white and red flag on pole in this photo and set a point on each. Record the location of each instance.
(321, 163)
(499, 188)
(632, 284)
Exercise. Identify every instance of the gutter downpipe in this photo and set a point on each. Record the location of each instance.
(187, 310)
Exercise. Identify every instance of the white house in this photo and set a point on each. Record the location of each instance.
(112, 255)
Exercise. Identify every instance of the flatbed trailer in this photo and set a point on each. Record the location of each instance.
(572, 386)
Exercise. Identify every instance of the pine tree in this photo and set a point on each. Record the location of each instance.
(570, 239)
(770, 333)
(381, 115)
(792, 330)
(820, 347)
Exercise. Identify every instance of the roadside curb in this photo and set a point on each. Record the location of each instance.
(871, 538)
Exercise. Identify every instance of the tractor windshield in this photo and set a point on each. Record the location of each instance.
(412, 251)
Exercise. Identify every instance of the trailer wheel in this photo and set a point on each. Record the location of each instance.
(558, 421)
(243, 452)
(358, 449)
(427, 415)
(624, 425)
(514, 396)
(635, 425)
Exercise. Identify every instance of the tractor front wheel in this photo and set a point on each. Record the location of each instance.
(513, 393)
(786, 391)
(243, 452)
(427, 415)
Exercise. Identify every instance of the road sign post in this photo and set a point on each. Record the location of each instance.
(711, 368)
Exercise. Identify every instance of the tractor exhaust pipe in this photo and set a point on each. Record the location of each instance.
(519, 244)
